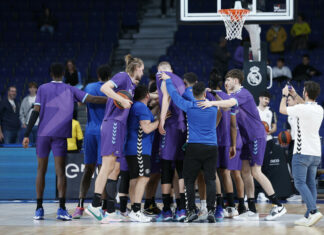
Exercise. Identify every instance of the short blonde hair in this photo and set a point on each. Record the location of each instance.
(164, 66)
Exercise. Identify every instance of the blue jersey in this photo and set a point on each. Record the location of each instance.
(202, 122)
(138, 143)
(95, 112)
(188, 95)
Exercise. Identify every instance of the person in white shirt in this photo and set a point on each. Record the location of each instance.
(291, 127)
(26, 109)
(307, 148)
(281, 72)
(270, 117)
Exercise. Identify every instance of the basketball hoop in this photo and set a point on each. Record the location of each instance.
(234, 20)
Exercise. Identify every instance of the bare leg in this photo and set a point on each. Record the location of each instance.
(152, 185)
(140, 188)
(247, 179)
(132, 185)
(108, 164)
(40, 179)
(86, 179)
(60, 173)
(262, 180)
(201, 186)
(227, 180)
(238, 183)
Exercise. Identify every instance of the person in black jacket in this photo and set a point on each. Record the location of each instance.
(305, 71)
(9, 117)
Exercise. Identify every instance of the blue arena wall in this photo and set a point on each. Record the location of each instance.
(18, 168)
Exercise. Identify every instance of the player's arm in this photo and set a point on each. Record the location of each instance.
(220, 103)
(164, 107)
(108, 90)
(96, 99)
(233, 136)
(219, 117)
(294, 94)
(273, 124)
(283, 102)
(31, 123)
(148, 126)
(179, 101)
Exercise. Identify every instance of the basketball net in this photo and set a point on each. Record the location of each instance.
(234, 20)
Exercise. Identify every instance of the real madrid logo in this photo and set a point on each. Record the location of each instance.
(254, 78)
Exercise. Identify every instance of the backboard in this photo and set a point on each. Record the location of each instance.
(261, 11)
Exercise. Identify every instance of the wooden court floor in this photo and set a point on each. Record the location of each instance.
(16, 218)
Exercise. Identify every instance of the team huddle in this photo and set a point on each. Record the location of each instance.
(176, 131)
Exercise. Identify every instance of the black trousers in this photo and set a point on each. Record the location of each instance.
(200, 157)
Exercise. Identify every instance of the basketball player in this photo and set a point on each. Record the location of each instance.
(270, 117)
(92, 157)
(141, 126)
(201, 152)
(307, 149)
(227, 131)
(172, 139)
(254, 142)
(150, 207)
(113, 129)
(54, 106)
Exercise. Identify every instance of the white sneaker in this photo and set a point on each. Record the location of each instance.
(231, 212)
(202, 215)
(294, 198)
(302, 221)
(262, 197)
(111, 217)
(314, 218)
(95, 212)
(276, 212)
(247, 216)
(139, 217)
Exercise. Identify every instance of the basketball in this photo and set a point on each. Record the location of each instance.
(284, 138)
(124, 94)
(266, 126)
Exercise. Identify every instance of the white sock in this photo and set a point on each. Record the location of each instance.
(203, 204)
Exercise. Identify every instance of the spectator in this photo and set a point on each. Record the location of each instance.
(291, 126)
(9, 117)
(75, 142)
(305, 71)
(26, 109)
(72, 76)
(300, 31)
(222, 56)
(276, 36)
(281, 72)
(47, 22)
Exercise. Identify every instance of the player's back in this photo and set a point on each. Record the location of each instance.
(56, 100)
(95, 112)
(248, 118)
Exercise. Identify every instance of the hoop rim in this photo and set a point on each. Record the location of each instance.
(234, 11)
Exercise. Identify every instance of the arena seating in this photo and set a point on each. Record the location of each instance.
(193, 49)
(87, 31)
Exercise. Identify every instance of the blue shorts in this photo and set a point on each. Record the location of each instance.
(92, 149)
